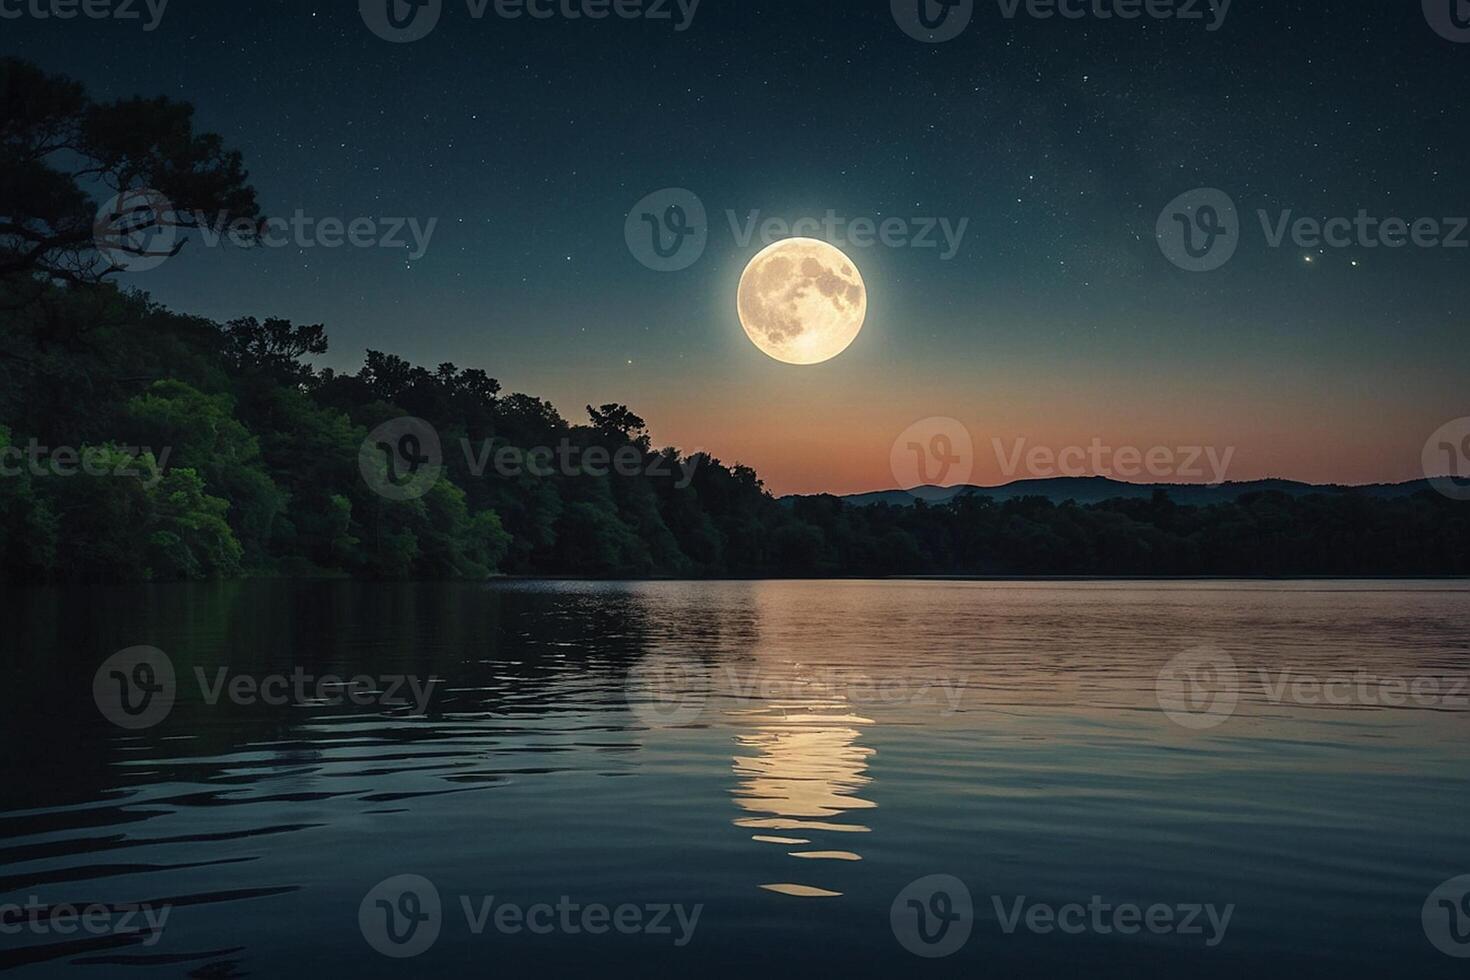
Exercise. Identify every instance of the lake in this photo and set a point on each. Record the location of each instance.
(776, 779)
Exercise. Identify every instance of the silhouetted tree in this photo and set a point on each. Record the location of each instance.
(55, 143)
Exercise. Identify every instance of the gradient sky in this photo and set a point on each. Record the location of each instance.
(1059, 321)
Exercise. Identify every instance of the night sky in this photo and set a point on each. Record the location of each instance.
(1058, 321)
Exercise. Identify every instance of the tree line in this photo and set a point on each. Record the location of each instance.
(195, 449)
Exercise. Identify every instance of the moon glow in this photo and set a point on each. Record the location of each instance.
(802, 301)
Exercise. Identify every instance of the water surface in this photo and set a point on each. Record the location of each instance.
(787, 756)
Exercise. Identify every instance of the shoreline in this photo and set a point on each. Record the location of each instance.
(583, 580)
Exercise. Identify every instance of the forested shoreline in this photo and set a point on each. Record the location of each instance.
(263, 477)
(194, 449)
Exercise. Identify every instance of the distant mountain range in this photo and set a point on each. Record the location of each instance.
(1095, 489)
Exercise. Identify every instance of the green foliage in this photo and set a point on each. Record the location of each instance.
(119, 518)
(260, 474)
(220, 450)
(28, 528)
(202, 434)
(190, 538)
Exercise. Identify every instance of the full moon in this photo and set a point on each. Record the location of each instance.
(802, 301)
